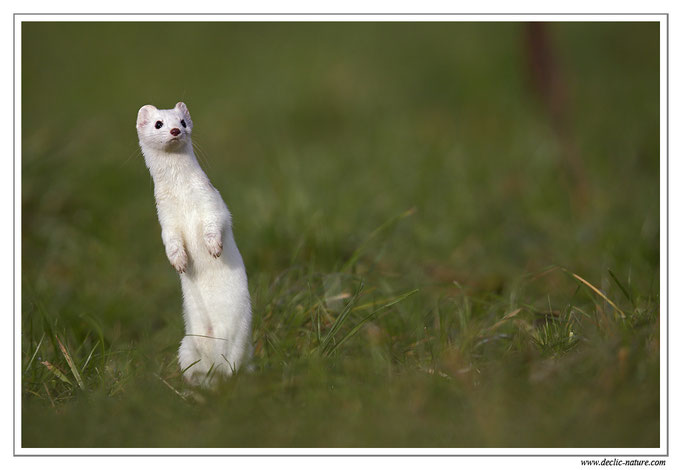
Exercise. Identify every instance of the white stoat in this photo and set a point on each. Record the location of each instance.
(196, 229)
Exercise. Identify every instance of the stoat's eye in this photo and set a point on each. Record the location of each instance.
(158, 124)
(183, 123)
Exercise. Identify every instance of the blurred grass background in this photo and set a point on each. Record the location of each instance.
(481, 164)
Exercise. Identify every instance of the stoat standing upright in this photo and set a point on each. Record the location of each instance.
(196, 229)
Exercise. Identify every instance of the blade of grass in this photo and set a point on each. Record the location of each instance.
(170, 386)
(342, 317)
(318, 329)
(49, 395)
(360, 249)
(187, 368)
(98, 329)
(509, 315)
(71, 364)
(35, 353)
(34, 393)
(622, 288)
(207, 377)
(569, 304)
(357, 327)
(600, 293)
(89, 356)
(229, 364)
(55, 370)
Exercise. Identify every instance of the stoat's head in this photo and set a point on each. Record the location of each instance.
(164, 129)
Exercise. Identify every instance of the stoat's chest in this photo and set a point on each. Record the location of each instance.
(186, 199)
(184, 186)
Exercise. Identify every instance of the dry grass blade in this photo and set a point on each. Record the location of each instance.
(509, 315)
(71, 364)
(170, 386)
(55, 370)
(600, 293)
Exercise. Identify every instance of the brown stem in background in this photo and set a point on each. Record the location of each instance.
(547, 81)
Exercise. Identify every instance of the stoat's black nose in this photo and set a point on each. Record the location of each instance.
(175, 131)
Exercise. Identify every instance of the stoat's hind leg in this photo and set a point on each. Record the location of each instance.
(235, 355)
(190, 361)
(203, 364)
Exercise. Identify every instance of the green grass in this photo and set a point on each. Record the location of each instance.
(420, 271)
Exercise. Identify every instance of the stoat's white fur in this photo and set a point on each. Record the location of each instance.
(196, 229)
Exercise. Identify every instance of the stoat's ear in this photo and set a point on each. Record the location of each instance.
(182, 107)
(144, 115)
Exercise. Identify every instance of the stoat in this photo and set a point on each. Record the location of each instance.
(196, 229)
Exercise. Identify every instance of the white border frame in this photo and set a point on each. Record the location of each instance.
(597, 453)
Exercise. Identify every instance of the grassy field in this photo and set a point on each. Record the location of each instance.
(439, 255)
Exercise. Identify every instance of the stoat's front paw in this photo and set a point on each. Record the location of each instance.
(178, 258)
(214, 244)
